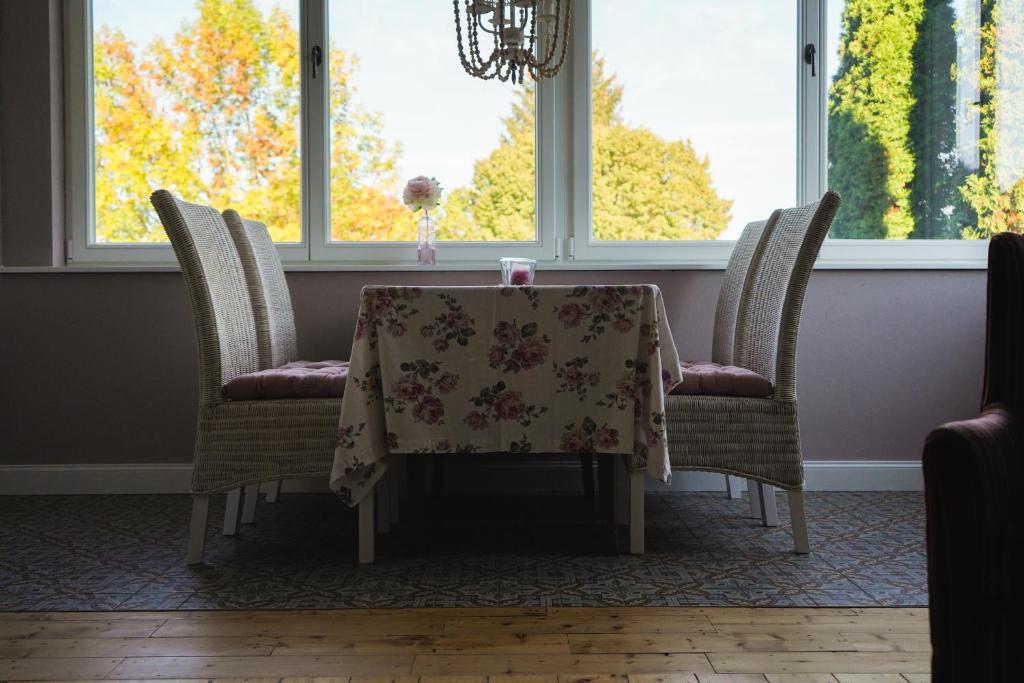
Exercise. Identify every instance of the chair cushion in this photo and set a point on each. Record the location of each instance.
(299, 379)
(711, 379)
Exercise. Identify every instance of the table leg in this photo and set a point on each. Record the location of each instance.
(621, 492)
(606, 486)
(366, 531)
(587, 473)
(383, 502)
(438, 474)
(636, 512)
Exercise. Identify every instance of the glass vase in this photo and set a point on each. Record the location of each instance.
(426, 249)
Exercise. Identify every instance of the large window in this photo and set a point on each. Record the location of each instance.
(201, 98)
(670, 126)
(925, 114)
(693, 132)
(403, 107)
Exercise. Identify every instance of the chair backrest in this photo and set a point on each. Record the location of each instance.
(1004, 347)
(215, 279)
(268, 289)
(748, 249)
(769, 317)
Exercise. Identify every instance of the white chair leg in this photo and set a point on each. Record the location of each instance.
(366, 531)
(252, 492)
(383, 502)
(273, 490)
(732, 487)
(232, 506)
(799, 518)
(754, 489)
(197, 529)
(769, 512)
(636, 512)
(621, 492)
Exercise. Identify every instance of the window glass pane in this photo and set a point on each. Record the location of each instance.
(401, 106)
(200, 97)
(694, 124)
(925, 118)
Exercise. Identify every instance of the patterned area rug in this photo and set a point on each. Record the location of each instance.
(127, 553)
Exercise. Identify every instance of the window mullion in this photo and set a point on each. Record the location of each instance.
(811, 90)
(316, 219)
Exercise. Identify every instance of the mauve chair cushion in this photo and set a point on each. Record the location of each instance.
(711, 379)
(299, 379)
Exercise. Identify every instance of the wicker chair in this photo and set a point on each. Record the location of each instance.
(972, 475)
(758, 437)
(238, 442)
(747, 253)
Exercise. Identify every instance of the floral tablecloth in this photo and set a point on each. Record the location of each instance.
(505, 369)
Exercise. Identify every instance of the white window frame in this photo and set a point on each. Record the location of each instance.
(563, 172)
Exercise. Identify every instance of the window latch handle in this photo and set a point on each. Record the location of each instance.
(809, 53)
(316, 55)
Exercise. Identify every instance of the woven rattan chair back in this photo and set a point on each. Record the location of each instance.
(769, 314)
(748, 250)
(268, 288)
(215, 279)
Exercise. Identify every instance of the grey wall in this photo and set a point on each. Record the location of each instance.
(101, 368)
(31, 134)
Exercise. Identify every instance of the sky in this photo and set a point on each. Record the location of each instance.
(721, 75)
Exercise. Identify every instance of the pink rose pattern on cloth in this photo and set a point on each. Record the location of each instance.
(505, 369)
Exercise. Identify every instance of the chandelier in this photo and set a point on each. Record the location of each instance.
(525, 36)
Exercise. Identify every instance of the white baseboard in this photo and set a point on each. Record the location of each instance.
(822, 475)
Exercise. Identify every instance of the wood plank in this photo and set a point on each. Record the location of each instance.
(710, 612)
(111, 628)
(245, 667)
(874, 626)
(384, 679)
(453, 679)
(870, 678)
(917, 678)
(12, 649)
(56, 669)
(610, 643)
(496, 643)
(782, 617)
(270, 626)
(800, 678)
(820, 662)
(592, 678)
(528, 678)
(730, 678)
(663, 678)
(889, 642)
(315, 679)
(149, 647)
(598, 623)
(442, 665)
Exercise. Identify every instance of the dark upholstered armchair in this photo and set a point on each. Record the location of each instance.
(973, 471)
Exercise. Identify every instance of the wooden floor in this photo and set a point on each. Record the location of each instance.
(633, 645)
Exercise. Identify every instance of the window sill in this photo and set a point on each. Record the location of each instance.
(487, 266)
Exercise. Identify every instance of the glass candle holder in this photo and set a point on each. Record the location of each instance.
(517, 271)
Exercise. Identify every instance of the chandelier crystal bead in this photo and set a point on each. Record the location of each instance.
(526, 36)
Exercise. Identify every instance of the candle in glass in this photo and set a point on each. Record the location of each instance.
(517, 271)
(520, 275)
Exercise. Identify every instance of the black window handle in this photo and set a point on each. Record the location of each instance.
(316, 55)
(809, 52)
